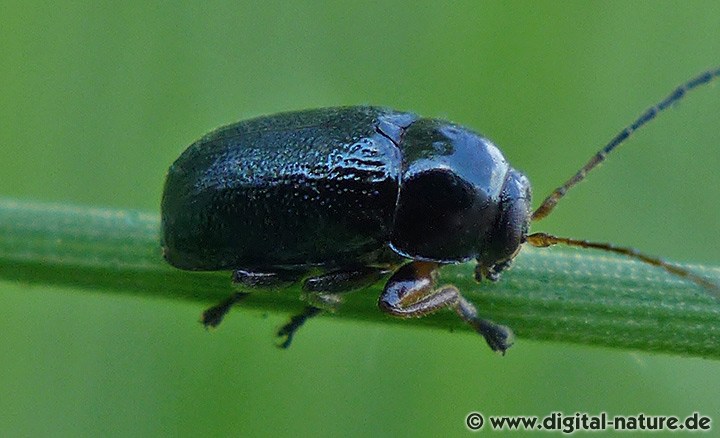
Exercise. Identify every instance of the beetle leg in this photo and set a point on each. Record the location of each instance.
(325, 292)
(213, 316)
(411, 293)
(278, 278)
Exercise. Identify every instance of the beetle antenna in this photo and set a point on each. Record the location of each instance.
(549, 203)
(543, 240)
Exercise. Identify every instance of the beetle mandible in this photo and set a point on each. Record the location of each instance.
(359, 193)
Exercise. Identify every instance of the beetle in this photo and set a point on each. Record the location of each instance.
(339, 198)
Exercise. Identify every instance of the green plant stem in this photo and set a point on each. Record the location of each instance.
(556, 294)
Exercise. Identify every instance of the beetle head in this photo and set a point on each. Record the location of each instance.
(511, 228)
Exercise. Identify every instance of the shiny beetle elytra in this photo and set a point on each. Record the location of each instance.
(360, 193)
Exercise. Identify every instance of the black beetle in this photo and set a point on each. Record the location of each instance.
(358, 193)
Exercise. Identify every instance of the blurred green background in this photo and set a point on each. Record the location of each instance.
(98, 98)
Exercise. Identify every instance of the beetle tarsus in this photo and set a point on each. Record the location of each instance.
(288, 330)
(498, 337)
(213, 316)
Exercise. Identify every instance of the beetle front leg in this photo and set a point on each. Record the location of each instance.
(411, 293)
